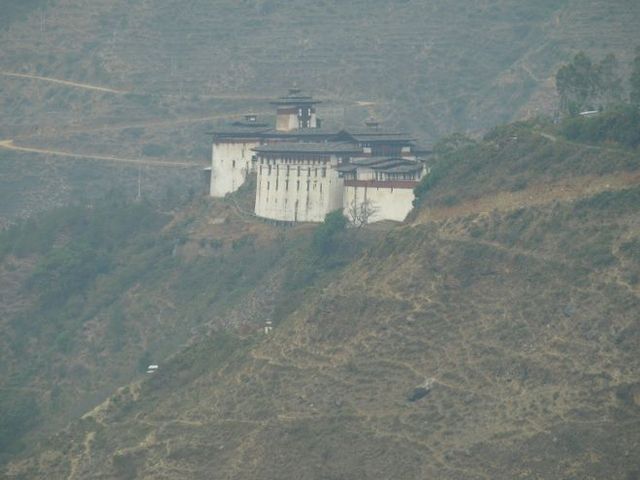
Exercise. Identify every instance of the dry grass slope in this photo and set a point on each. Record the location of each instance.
(525, 320)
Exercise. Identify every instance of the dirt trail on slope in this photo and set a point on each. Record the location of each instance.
(67, 83)
(8, 144)
(141, 124)
(564, 191)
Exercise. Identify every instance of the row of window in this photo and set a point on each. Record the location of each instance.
(383, 177)
(286, 185)
(396, 176)
(298, 170)
(296, 160)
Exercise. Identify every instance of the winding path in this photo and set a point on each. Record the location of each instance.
(8, 144)
(85, 86)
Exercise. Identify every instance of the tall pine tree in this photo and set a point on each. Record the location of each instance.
(577, 84)
(610, 89)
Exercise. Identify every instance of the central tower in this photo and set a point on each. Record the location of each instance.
(295, 111)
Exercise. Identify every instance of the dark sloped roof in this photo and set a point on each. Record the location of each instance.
(252, 129)
(346, 168)
(316, 147)
(382, 137)
(249, 123)
(390, 164)
(241, 128)
(302, 133)
(373, 161)
(295, 97)
(382, 164)
(295, 101)
(368, 161)
(401, 169)
(375, 135)
(239, 132)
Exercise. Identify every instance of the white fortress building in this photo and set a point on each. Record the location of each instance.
(304, 172)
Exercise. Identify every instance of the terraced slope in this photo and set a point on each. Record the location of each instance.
(434, 64)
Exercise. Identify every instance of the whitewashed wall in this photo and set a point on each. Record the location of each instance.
(230, 164)
(385, 202)
(286, 122)
(292, 202)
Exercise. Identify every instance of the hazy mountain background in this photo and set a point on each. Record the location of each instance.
(430, 67)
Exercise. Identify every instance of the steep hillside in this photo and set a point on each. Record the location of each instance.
(91, 295)
(522, 319)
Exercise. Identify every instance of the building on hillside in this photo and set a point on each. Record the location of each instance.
(379, 188)
(304, 172)
(231, 154)
(299, 182)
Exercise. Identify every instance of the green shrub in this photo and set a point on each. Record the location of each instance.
(326, 234)
(621, 125)
(19, 413)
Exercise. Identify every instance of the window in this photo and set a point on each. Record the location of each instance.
(268, 185)
(315, 172)
(320, 188)
(298, 171)
(276, 184)
(323, 172)
(308, 182)
(269, 170)
(286, 184)
(288, 168)
(298, 185)
(233, 164)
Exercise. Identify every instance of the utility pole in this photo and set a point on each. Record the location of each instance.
(139, 197)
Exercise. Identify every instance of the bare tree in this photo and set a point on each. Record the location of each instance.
(359, 213)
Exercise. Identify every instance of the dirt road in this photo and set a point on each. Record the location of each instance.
(85, 86)
(8, 144)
